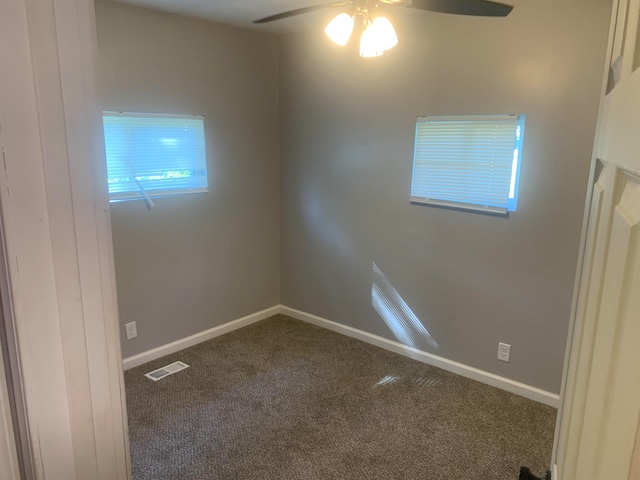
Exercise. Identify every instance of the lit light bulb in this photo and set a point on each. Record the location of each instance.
(340, 28)
(369, 43)
(378, 36)
(385, 33)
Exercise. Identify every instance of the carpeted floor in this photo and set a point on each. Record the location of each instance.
(285, 400)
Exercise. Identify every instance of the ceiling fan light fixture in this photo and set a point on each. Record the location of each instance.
(340, 28)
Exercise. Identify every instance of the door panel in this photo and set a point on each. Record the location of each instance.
(618, 432)
(610, 325)
(602, 400)
(588, 306)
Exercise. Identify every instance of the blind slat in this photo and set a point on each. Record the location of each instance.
(160, 154)
(470, 160)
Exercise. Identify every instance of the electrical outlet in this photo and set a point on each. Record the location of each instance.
(504, 351)
(132, 331)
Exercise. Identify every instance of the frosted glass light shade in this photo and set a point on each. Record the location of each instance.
(378, 36)
(385, 33)
(340, 28)
(369, 46)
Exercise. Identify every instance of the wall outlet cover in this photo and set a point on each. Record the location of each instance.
(132, 331)
(504, 352)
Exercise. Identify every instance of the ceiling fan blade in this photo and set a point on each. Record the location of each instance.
(480, 8)
(298, 11)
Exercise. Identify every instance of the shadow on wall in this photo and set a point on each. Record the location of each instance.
(395, 312)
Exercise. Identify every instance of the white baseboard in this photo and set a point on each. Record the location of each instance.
(178, 345)
(554, 472)
(503, 383)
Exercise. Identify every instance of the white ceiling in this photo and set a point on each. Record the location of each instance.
(241, 13)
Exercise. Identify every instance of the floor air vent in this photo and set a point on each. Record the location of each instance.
(165, 371)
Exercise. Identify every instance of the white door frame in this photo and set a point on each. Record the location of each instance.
(56, 223)
(9, 468)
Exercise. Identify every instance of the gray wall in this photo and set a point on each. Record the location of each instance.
(196, 261)
(347, 129)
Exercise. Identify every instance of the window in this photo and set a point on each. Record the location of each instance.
(154, 155)
(468, 162)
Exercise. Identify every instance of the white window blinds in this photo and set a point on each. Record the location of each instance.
(469, 162)
(151, 155)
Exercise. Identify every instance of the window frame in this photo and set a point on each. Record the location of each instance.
(147, 194)
(469, 206)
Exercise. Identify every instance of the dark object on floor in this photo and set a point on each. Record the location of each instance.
(284, 400)
(525, 474)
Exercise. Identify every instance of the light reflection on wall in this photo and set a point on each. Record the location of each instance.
(319, 216)
(400, 319)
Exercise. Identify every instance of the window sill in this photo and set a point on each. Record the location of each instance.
(465, 207)
(127, 197)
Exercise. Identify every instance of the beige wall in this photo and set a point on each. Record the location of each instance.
(347, 128)
(196, 261)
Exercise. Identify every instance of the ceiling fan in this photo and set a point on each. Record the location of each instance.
(378, 33)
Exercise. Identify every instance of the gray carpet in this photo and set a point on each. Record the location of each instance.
(285, 400)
